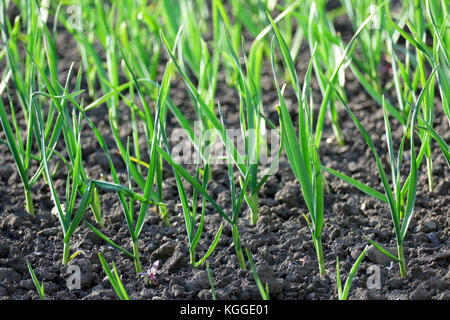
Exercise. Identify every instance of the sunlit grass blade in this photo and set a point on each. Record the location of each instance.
(39, 286)
(105, 238)
(361, 186)
(211, 282)
(343, 292)
(211, 247)
(442, 144)
(114, 278)
(264, 291)
(383, 250)
(18, 158)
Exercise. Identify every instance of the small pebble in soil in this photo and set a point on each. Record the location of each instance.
(378, 257)
(198, 282)
(438, 284)
(395, 283)
(419, 294)
(267, 275)
(165, 251)
(290, 194)
(417, 273)
(176, 262)
(4, 250)
(433, 239)
(178, 291)
(10, 275)
(429, 226)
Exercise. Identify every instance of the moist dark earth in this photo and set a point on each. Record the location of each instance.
(280, 243)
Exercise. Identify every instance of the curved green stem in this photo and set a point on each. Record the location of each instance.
(319, 252)
(163, 214)
(137, 260)
(29, 202)
(401, 257)
(97, 208)
(66, 252)
(237, 246)
(253, 204)
(430, 174)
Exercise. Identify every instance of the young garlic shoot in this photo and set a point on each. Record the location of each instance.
(21, 155)
(301, 151)
(179, 172)
(443, 71)
(401, 211)
(323, 38)
(64, 123)
(190, 215)
(69, 217)
(134, 228)
(252, 132)
(214, 122)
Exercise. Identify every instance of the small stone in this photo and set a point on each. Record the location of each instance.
(178, 291)
(438, 284)
(266, 275)
(49, 232)
(6, 171)
(198, 282)
(175, 262)
(429, 226)
(164, 252)
(419, 294)
(289, 194)
(434, 240)
(363, 206)
(10, 275)
(395, 283)
(378, 257)
(55, 210)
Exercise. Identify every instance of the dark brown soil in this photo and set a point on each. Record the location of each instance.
(280, 243)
